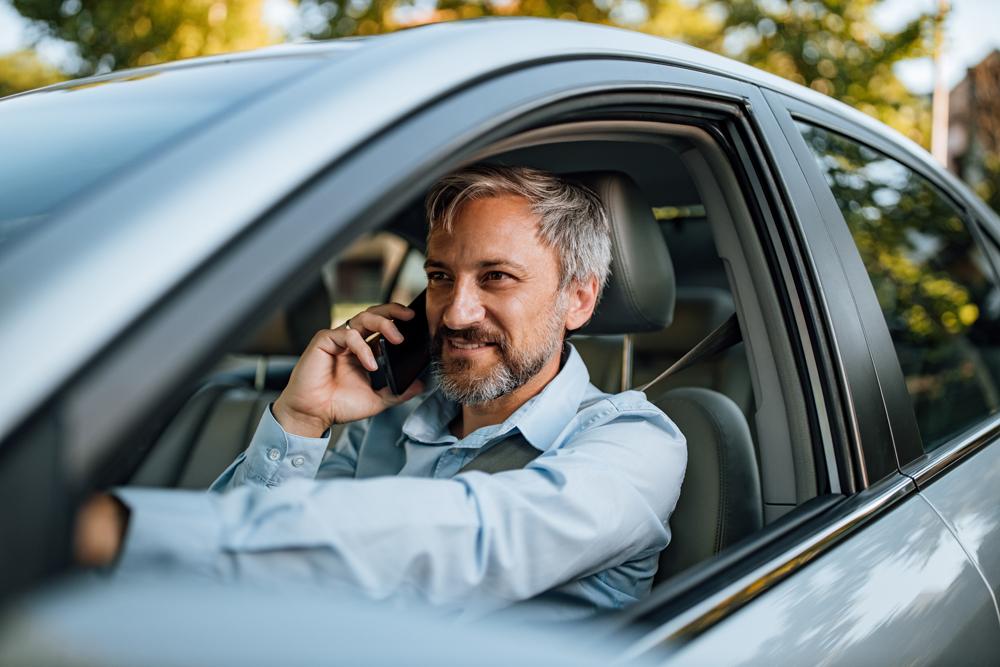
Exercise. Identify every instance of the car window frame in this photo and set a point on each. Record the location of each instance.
(142, 347)
(913, 461)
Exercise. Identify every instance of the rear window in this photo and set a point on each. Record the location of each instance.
(58, 144)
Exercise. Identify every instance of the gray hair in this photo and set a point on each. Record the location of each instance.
(572, 218)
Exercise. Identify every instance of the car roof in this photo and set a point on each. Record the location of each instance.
(507, 36)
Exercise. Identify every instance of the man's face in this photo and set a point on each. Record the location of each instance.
(494, 305)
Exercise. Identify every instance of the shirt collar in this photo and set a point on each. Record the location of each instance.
(539, 420)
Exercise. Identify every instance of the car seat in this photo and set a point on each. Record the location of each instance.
(218, 421)
(721, 499)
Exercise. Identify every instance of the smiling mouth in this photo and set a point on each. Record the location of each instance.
(468, 345)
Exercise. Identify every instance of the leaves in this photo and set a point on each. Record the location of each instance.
(115, 34)
(24, 70)
(832, 46)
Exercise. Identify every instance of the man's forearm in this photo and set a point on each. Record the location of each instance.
(476, 541)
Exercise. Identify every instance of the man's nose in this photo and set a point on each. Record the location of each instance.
(466, 306)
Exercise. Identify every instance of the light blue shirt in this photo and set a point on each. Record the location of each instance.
(578, 530)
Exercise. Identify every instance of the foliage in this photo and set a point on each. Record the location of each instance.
(834, 47)
(831, 45)
(113, 34)
(930, 278)
(24, 70)
(913, 243)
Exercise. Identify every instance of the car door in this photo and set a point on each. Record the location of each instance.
(904, 589)
(79, 438)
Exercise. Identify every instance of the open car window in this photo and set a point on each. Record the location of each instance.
(700, 213)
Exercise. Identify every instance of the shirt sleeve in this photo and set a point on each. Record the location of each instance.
(341, 460)
(473, 541)
(273, 458)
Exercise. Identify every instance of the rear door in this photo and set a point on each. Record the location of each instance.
(903, 590)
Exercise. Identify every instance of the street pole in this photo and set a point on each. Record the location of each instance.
(939, 118)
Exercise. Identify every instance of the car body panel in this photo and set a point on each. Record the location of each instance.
(902, 591)
(966, 498)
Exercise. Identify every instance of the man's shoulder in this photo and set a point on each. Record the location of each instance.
(596, 402)
(599, 409)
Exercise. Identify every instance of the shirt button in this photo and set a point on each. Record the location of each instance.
(274, 455)
(297, 461)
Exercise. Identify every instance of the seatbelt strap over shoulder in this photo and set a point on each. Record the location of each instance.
(513, 453)
(723, 338)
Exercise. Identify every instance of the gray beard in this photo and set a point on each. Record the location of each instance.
(513, 370)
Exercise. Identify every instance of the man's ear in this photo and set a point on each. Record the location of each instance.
(582, 300)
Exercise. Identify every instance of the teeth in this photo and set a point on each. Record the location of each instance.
(470, 346)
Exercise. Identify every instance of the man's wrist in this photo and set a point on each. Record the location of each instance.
(100, 530)
(297, 423)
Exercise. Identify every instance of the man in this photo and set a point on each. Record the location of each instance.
(516, 257)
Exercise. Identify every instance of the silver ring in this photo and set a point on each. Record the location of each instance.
(347, 324)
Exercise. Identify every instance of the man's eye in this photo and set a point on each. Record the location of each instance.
(495, 275)
(436, 276)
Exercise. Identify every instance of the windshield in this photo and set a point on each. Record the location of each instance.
(60, 143)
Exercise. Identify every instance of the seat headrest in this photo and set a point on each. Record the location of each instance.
(640, 294)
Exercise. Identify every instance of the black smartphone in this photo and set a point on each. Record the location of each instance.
(399, 365)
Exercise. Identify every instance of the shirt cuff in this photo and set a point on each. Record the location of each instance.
(169, 529)
(276, 456)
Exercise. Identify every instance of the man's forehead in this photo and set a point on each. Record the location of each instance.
(504, 225)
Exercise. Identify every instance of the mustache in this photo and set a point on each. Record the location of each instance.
(479, 333)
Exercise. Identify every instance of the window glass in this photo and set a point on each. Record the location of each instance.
(933, 283)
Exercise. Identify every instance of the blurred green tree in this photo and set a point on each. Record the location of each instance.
(24, 70)
(113, 34)
(832, 46)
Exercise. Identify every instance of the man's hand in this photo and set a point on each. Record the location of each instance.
(329, 384)
(100, 530)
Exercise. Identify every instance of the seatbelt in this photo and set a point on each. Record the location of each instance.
(512, 453)
(515, 452)
(723, 338)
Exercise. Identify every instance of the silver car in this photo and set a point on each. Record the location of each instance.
(169, 237)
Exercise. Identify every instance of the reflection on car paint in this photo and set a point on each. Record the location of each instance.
(900, 592)
(966, 498)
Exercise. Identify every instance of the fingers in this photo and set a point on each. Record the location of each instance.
(374, 320)
(355, 342)
(379, 319)
(100, 529)
(413, 390)
(336, 341)
(367, 323)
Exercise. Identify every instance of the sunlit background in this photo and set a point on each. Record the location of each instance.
(883, 57)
